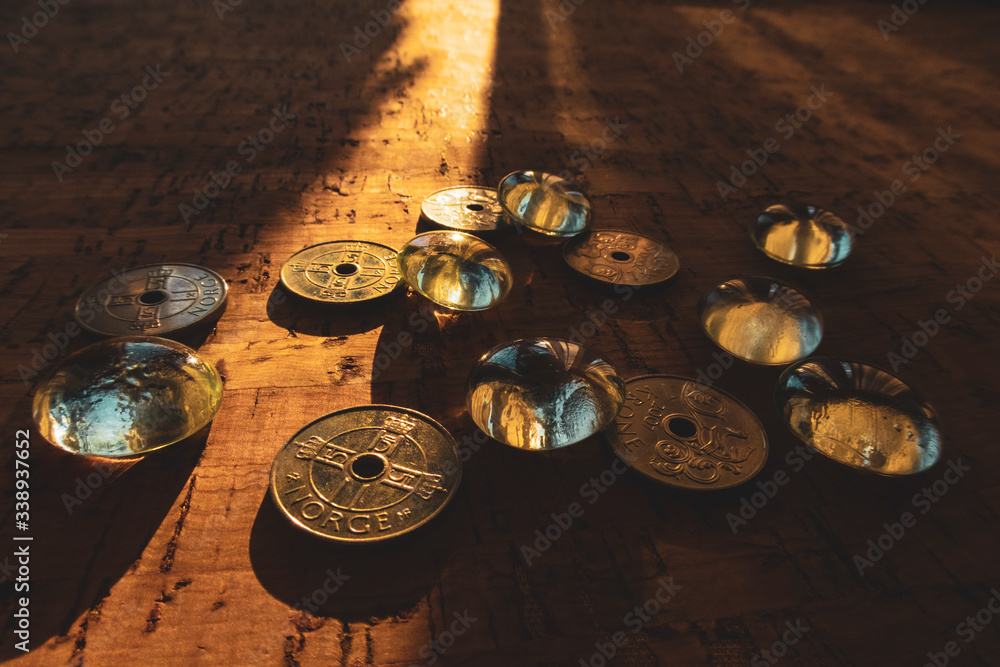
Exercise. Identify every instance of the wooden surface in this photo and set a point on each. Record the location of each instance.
(180, 558)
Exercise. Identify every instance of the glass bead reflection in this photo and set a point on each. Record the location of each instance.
(127, 396)
(761, 320)
(859, 415)
(544, 202)
(801, 235)
(455, 270)
(543, 393)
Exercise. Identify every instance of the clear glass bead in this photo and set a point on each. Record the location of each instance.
(544, 202)
(543, 393)
(127, 396)
(455, 270)
(860, 416)
(761, 320)
(801, 235)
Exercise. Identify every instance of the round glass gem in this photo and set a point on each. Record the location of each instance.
(455, 270)
(465, 208)
(543, 393)
(545, 203)
(127, 396)
(678, 432)
(157, 299)
(802, 235)
(860, 416)
(761, 320)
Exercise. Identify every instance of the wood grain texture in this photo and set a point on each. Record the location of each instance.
(180, 558)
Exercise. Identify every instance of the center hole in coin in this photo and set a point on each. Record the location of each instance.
(682, 427)
(346, 269)
(368, 466)
(152, 297)
(475, 207)
(621, 256)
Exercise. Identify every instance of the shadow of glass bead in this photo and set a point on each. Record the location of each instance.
(455, 270)
(127, 396)
(860, 416)
(544, 203)
(543, 393)
(802, 235)
(761, 320)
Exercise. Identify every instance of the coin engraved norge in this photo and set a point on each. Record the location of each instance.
(465, 208)
(342, 271)
(153, 300)
(622, 258)
(366, 474)
(677, 432)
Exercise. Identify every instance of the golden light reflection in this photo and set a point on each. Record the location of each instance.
(419, 124)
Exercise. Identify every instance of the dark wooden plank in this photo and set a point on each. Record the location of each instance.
(181, 559)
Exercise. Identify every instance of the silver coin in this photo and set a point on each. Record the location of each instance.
(467, 208)
(156, 299)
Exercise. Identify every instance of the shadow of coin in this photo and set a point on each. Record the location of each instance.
(354, 581)
(314, 318)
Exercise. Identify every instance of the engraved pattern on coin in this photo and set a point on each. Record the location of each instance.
(622, 258)
(342, 271)
(152, 300)
(679, 433)
(465, 208)
(366, 474)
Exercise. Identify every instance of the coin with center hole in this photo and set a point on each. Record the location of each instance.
(681, 433)
(366, 474)
(342, 272)
(155, 300)
(466, 208)
(621, 258)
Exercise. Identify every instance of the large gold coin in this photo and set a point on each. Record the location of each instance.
(366, 474)
(682, 434)
(621, 258)
(342, 272)
(156, 300)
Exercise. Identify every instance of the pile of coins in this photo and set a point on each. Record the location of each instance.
(371, 473)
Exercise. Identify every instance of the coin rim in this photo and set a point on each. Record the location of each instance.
(295, 522)
(516, 221)
(207, 319)
(934, 417)
(697, 489)
(501, 220)
(582, 235)
(336, 302)
(805, 294)
(510, 272)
